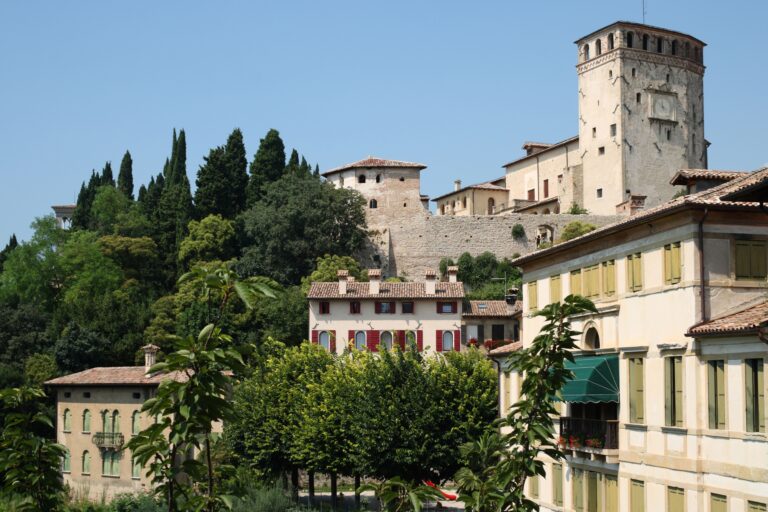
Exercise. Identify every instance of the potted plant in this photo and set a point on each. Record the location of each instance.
(574, 441)
(594, 442)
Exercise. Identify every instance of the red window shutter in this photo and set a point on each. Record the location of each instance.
(351, 338)
(457, 341)
(333, 342)
(314, 336)
(438, 341)
(352, 308)
(391, 308)
(377, 307)
(373, 341)
(420, 341)
(454, 307)
(438, 307)
(401, 339)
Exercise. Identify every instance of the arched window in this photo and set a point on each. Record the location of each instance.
(86, 421)
(697, 52)
(325, 340)
(491, 206)
(586, 52)
(610, 41)
(378, 178)
(447, 341)
(135, 424)
(674, 47)
(645, 42)
(687, 50)
(630, 39)
(106, 424)
(135, 469)
(361, 178)
(592, 339)
(67, 420)
(66, 461)
(360, 340)
(373, 204)
(115, 422)
(598, 47)
(659, 45)
(410, 339)
(86, 463)
(464, 202)
(546, 211)
(386, 340)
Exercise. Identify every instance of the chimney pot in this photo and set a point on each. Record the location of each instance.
(150, 356)
(429, 285)
(453, 271)
(343, 276)
(457, 185)
(374, 281)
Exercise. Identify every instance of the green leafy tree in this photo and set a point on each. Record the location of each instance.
(327, 267)
(137, 257)
(39, 368)
(575, 209)
(125, 176)
(298, 220)
(23, 333)
(11, 245)
(499, 464)
(212, 238)
(188, 408)
(575, 229)
(223, 179)
(285, 319)
(29, 460)
(267, 166)
(109, 204)
(81, 348)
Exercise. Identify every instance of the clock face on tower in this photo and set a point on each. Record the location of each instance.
(663, 106)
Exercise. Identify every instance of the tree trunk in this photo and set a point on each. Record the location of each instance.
(210, 472)
(284, 480)
(295, 484)
(311, 485)
(334, 497)
(357, 493)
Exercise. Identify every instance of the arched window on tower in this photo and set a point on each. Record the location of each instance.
(361, 178)
(378, 178)
(598, 47)
(610, 41)
(373, 204)
(674, 47)
(645, 42)
(586, 52)
(697, 52)
(630, 40)
(659, 45)
(687, 51)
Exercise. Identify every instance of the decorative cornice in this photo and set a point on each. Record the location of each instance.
(643, 55)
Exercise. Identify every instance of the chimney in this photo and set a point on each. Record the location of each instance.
(374, 281)
(631, 206)
(452, 273)
(429, 285)
(342, 275)
(150, 356)
(511, 296)
(457, 185)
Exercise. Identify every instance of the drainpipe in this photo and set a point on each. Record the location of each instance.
(702, 274)
(538, 196)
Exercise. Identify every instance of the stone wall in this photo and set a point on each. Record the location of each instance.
(409, 246)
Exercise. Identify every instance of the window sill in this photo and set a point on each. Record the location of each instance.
(66, 472)
(117, 477)
(674, 430)
(85, 474)
(136, 478)
(66, 431)
(87, 432)
(636, 426)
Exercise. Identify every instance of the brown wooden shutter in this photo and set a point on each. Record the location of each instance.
(377, 307)
(392, 308)
(743, 259)
(457, 341)
(315, 335)
(333, 342)
(420, 340)
(438, 341)
(454, 307)
(757, 262)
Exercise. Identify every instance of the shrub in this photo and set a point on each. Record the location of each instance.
(575, 209)
(575, 229)
(518, 232)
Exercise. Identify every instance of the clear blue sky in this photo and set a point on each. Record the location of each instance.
(456, 85)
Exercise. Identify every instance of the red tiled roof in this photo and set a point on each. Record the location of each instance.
(685, 176)
(491, 308)
(744, 321)
(486, 185)
(413, 290)
(710, 198)
(506, 349)
(550, 148)
(114, 376)
(373, 163)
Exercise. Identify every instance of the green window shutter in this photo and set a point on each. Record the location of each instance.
(534, 489)
(678, 383)
(533, 296)
(675, 499)
(742, 260)
(611, 494)
(632, 391)
(609, 277)
(711, 393)
(754, 506)
(594, 497)
(578, 490)
(677, 265)
(668, 264)
(760, 402)
(749, 393)
(718, 503)
(757, 264)
(669, 392)
(576, 282)
(636, 496)
(557, 484)
(637, 271)
(636, 399)
(720, 385)
(555, 293)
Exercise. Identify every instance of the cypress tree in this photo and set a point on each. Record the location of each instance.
(304, 167)
(180, 159)
(81, 218)
(293, 163)
(212, 186)
(106, 175)
(267, 166)
(237, 170)
(142, 194)
(125, 176)
(317, 170)
(12, 244)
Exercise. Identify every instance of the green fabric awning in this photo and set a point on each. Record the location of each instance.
(595, 379)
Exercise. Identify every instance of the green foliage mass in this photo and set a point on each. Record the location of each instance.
(125, 176)
(39, 368)
(212, 238)
(223, 179)
(327, 267)
(267, 166)
(484, 275)
(575, 229)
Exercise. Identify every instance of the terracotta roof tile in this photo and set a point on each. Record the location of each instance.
(685, 176)
(707, 198)
(506, 349)
(413, 290)
(744, 321)
(486, 185)
(373, 163)
(549, 148)
(113, 376)
(491, 308)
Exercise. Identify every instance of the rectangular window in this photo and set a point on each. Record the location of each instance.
(718, 503)
(354, 307)
(673, 386)
(407, 307)
(591, 281)
(557, 484)
(578, 489)
(601, 150)
(611, 493)
(576, 282)
(613, 130)
(546, 189)
(750, 259)
(636, 390)
(599, 193)
(637, 98)
(532, 194)
(594, 132)
(675, 499)
(635, 272)
(325, 307)
(534, 488)
(609, 278)
(753, 506)
(716, 393)
(446, 307)
(533, 295)
(385, 308)
(555, 291)
(755, 394)
(672, 263)
(636, 496)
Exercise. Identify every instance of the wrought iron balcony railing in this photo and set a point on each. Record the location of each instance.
(108, 439)
(599, 434)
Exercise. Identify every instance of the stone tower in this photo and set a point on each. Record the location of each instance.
(641, 112)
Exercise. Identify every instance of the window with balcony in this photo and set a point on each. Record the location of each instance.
(716, 393)
(407, 308)
(672, 263)
(754, 393)
(636, 390)
(110, 463)
(673, 391)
